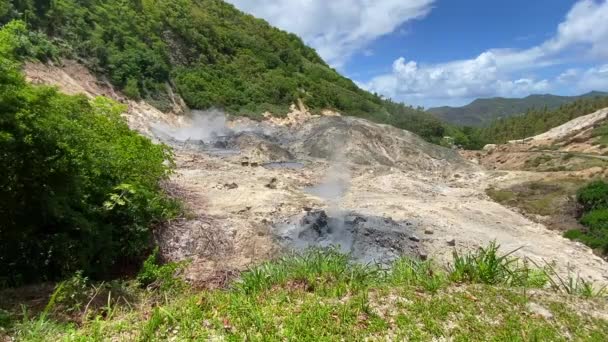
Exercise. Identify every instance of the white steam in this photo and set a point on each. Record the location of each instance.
(332, 190)
(206, 126)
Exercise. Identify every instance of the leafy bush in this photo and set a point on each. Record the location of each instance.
(596, 220)
(596, 236)
(5, 319)
(153, 274)
(18, 42)
(73, 293)
(574, 234)
(593, 196)
(594, 200)
(78, 189)
(537, 161)
(131, 89)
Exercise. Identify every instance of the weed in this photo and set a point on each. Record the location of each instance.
(537, 161)
(5, 319)
(568, 156)
(154, 275)
(72, 294)
(573, 284)
(501, 196)
(316, 268)
(486, 266)
(411, 272)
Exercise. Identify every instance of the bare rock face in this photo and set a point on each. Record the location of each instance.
(366, 143)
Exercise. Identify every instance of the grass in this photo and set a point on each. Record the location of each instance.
(543, 198)
(600, 134)
(535, 162)
(322, 296)
(563, 162)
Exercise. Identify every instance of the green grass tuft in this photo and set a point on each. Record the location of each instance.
(323, 295)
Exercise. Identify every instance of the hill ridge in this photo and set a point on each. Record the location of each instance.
(483, 111)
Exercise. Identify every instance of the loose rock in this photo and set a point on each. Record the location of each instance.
(272, 184)
(231, 186)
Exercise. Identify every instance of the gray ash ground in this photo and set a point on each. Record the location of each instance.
(368, 239)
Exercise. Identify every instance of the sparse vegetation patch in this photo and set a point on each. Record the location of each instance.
(593, 198)
(321, 295)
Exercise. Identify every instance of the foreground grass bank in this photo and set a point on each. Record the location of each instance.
(321, 296)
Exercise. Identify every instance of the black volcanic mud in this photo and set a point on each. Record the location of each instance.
(368, 239)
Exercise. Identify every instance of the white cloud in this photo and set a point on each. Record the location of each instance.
(480, 77)
(337, 28)
(586, 24)
(498, 72)
(595, 78)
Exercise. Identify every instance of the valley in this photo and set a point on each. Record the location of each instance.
(391, 174)
(207, 170)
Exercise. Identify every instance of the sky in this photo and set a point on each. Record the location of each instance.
(447, 52)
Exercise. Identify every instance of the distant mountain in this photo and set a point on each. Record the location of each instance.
(483, 111)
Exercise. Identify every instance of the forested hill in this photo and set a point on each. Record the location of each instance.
(483, 111)
(533, 122)
(210, 52)
(537, 121)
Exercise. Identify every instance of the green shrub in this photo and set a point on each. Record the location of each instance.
(593, 196)
(5, 319)
(78, 189)
(574, 234)
(19, 42)
(72, 294)
(596, 220)
(154, 274)
(131, 89)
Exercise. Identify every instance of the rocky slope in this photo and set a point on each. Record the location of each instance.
(574, 146)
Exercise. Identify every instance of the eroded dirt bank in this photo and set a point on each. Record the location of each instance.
(391, 190)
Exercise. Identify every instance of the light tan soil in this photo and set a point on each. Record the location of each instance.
(230, 227)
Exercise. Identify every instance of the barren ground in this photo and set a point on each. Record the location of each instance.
(235, 209)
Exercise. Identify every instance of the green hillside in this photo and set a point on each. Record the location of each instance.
(483, 111)
(210, 52)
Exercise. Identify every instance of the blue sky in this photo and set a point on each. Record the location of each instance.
(448, 52)
(460, 29)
